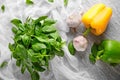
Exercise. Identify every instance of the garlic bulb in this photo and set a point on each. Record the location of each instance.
(80, 43)
(74, 20)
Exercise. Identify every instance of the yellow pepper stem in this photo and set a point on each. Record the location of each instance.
(87, 31)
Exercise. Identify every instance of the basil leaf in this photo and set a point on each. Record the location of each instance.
(51, 0)
(48, 29)
(54, 35)
(35, 75)
(38, 67)
(41, 38)
(59, 53)
(71, 48)
(59, 39)
(49, 22)
(3, 8)
(93, 55)
(12, 47)
(37, 30)
(16, 22)
(31, 55)
(21, 27)
(23, 68)
(94, 49)
(65, 2)
(29, 2)
(14, 30)
(40, 19)
(21, 51)
(18, 37)
(52, 55)
(26, 40)
(38, 46)
(4, 63)
(18, 63)
(92, 59)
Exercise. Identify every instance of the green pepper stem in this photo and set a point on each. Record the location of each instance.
(87, 31)
(99, 53)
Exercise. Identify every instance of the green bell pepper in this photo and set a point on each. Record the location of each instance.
(108, 51)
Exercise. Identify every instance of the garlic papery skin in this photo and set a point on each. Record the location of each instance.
(74, 20)
(80, 43)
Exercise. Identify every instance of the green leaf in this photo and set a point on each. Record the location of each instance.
(29, 68)
(15, 55)
(12, 47)
(4, 64)
(60, 53)
(94, 50)
(51, 0)
(49, 22)
(31, 55)
(18, 63)
(21, 51)
(92, 59)
(49, 29)
(21, 27)
(37, 30)
(18, 38)
(19, 33)
(43, 62)
(38, 67)
(93, 55)
(35, 75)
(26, 40)
(44, 51)
(29, 2)
(47, 62)
(52, 55)
(3, 8)
(23, 68)
(54, 35)
(41, 38)
(58, 46)
(14, 30)
(16, 22)
(65, 2)
(52, 41)
(34, 41)
(38, 46)
(59, 39)
(71, 48)
(40, 19)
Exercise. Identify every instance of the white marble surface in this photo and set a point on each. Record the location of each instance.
(69, 67)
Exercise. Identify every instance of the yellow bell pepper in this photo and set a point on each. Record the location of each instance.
(97, 18)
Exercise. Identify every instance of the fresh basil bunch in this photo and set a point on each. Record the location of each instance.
(36, 42)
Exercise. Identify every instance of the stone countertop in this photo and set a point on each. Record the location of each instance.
(99, 71)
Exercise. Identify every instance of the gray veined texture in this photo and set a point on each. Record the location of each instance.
(69, 67)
